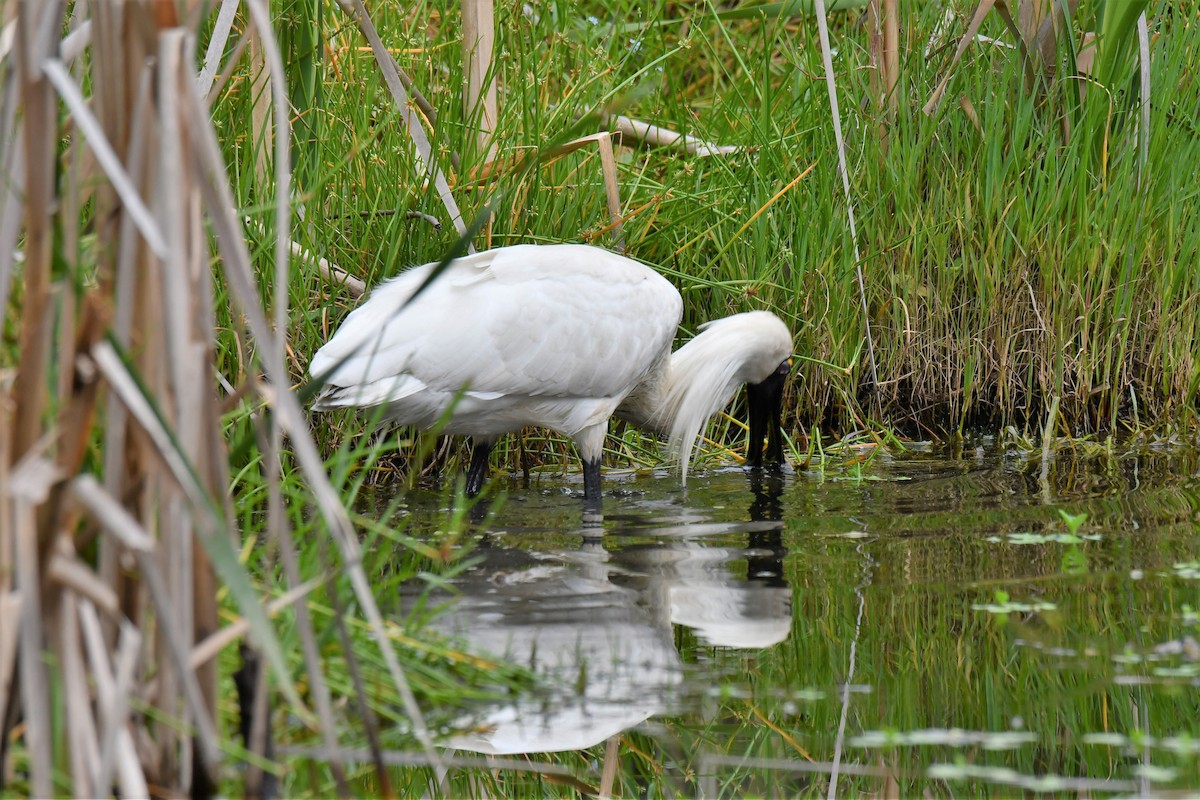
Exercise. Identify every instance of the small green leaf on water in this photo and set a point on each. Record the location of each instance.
(1028, 537)
(1074, 521)
(1106, 739)
(1005, 606)
(1155, 773)
(1182, 671)
(1188, 570)
(1183, 744)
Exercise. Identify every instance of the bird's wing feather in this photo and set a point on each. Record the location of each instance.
(548, 321)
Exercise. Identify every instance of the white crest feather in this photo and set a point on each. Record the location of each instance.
(704, 374)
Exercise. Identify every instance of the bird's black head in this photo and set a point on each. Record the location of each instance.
(765, 400)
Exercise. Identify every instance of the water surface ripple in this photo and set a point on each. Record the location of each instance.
(919, 623)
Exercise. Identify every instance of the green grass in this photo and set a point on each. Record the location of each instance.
(1005, 266)
(1010, 268)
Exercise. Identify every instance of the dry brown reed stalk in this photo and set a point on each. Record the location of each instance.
(260, 108)
(479, 93)
(119, 354)
(391, 76)
(883, 25)
(608, 168)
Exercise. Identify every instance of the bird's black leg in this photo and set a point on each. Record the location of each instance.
(477, 472)
(251, 691)
(591, 483)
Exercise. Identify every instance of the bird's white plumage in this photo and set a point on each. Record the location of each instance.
(561, 336)
(552, 335)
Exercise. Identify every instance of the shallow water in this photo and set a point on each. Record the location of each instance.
(918, 624)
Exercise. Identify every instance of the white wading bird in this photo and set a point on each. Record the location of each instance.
(561, 336)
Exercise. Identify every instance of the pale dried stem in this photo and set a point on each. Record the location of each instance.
(608, 165)
(114, 519)
(260, 734)
(12, 167)
(10, 609)
(239, 49)
(1143, 35)
(208, 649)
(658, 136)
(612, 763)
(884, 27)
(106, 156)
(935, 99)
(335, 275)
(75, 43)
(129, 255)
(236, 264)
(827, 59)
(72, 574)
(479, 94)
(7, 542)
(216, 46)
(34, 683)
(412, 123)
(276, 518)
(261, 132)
(182, 390)
(178, 649)
(612, 194)
(125, 527)
(139, 407)
(82, 740)
(112, 693)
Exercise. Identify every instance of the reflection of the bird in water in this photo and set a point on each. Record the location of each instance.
(594, 624)
(693, 584)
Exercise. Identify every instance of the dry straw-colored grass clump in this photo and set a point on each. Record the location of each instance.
(114, 208)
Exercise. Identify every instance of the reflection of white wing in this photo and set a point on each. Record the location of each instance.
(498, 322)
(733, 616)
(606, 667)
(724, 610)
(595, 626)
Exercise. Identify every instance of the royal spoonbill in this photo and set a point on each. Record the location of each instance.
(562, 336)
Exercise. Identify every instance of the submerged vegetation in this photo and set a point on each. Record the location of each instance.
(1028, 250)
